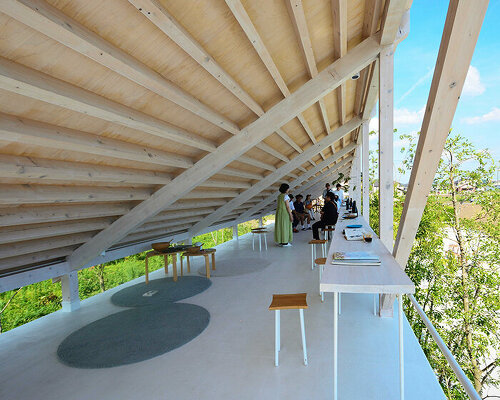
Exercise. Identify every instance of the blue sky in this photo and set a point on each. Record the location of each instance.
(478, 112)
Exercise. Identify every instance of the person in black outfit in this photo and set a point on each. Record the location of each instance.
(329, 215)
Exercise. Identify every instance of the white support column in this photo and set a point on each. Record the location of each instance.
(356, 177)
(386, 134)
(365, 169)
(69, 287)
(385, 162)
(235, 232)
(261, 222)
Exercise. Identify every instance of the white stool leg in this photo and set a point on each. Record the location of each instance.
(312, 257)
(323, 250)
(303, 331)
(253, 241)
(260, 244)
(320, 275)
(265, 240)
(340, 302)
(276, 336)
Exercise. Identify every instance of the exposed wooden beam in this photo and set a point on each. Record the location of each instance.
(168, 215)
(256, 163)
(460, 34)
(391, 20)
(29, 132)
(31, 232)
(246, 24)
(42, 194)
(159, 16)
(29, 169)
(231, 149)
(370, 24)
(239, 173)
(339, 13)
(12, 263)
(48, 20)
(16, 216)
(25, 81)
(274, 176)
(299, 22)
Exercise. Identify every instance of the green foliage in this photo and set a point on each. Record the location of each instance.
(35, 301)
(458, 289)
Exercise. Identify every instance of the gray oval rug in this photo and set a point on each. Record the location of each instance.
(133, 335)
(234, 267)
(160, 291)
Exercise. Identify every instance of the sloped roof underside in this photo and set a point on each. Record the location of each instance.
(105, 102)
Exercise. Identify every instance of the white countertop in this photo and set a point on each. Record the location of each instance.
(388, 277)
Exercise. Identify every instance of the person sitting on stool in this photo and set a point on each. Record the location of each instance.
(329, 215)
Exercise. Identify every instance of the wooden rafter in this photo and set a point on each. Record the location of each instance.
(158, 15)
(248, 27)
(278, 174)
(330, 78)
(339, 13)
(299, 22)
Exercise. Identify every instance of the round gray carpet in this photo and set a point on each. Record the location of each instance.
(234, 267)
(133, 335)
(160, 291)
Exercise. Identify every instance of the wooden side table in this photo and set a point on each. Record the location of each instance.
(205, 253)
(165, 255)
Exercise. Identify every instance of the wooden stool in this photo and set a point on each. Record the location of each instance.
(259, 232)
(288, 302)
(329, 229)
(165, 262)
(320, 262)
(205, 253)
(315, 242)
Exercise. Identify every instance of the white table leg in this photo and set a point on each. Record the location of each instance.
(340, 303)
(265, 240)
(277, 343)
(335, 344)
(303, 331)
(312, 256)
(253, 241)
(401, 353)
(260, 243)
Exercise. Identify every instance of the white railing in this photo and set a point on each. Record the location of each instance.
(459, 373)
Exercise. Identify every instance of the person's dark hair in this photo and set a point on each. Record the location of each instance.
(284, 187)
(335, 198)
(329, 195)
(327, 184)
(299, 196)
(308, 196)
(290, 196)
(339, 185)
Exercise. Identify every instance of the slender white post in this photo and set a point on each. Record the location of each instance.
(401, 350)
(386, 134)
(276, 337)
(261, 224)
(303, 332)
(365, 166)
(70, 296)
(335, 345)
(235, 232)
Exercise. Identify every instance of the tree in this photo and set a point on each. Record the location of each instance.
(458, 289)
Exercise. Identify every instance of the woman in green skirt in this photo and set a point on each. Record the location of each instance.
(283, 233)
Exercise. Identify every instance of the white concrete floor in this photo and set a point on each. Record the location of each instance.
(234, 357)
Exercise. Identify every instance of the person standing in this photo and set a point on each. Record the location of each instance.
(340, 194)
(327, 189)
(295, 220)
(329, 215)
(283, 234)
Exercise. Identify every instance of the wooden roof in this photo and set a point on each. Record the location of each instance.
(103, 103)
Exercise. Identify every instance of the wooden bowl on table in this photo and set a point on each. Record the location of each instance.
(160, 247)
(195, 248)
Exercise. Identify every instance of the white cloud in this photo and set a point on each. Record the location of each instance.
(403, 116)
(374, 124)
(493, 115)
(473, 85)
